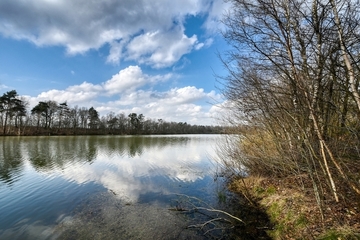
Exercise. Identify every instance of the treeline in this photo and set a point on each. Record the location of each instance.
(53, 118)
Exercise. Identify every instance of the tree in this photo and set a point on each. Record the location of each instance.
(122, 122)
(112, 122)
(84, 115)
(137, 122)
(93, 118)
(346, 40)
(10, 106)
(56, 118)
(287, 84)
(53, 108)
(20, 112)
(74, 117)
(41, 110)
(63, 112)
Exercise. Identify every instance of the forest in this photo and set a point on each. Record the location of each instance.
(52, 118)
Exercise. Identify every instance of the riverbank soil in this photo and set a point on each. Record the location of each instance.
(293, 212)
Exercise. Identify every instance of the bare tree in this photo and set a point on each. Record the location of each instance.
(287, 82)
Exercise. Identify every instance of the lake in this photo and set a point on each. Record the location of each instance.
(107, 187)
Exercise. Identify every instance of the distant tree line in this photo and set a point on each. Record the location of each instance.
(53, 118)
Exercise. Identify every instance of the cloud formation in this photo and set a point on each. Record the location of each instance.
(144, 33)
(160, 49)
(133, 92)
(130, 79)
(148, 32)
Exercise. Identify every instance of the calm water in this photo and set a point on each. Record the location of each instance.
(103, 187)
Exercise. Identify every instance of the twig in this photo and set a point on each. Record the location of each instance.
(220, 211)
(210, 209)
(195, 198)
(215, 229)
(202, 225)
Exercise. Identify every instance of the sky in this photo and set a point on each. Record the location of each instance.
(155, 57)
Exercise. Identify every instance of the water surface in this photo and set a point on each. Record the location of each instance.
(103, 187)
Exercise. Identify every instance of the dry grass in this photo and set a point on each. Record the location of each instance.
(277, 171)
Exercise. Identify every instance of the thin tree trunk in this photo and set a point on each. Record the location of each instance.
(346, 57)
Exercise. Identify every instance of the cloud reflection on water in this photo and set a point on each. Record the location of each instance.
(42, 178)
(138, 172)
(126, 165)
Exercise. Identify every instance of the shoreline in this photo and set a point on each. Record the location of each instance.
(292, 211)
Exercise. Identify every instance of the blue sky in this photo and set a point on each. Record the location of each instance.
(153, 57)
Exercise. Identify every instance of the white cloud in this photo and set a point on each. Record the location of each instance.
(185, 95)
(160, 49)
(85, 87)
(216, 11)
(83, 25)
(116, 48)
(199, 46)
(133, 92)
(126, 80)
(209, 42)
(179, 104)
(181, 64)
(2, 86)
(66, 96)
(130, 79)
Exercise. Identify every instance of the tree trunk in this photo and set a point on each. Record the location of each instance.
(346, 56)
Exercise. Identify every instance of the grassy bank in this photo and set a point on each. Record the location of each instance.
(293, 211)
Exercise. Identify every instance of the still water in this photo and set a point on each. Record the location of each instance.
(104, 187)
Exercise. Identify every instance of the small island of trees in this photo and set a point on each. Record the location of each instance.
(53, 118)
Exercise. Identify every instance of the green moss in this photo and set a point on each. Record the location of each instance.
(286, 221)
(301, 221)
(339, 235)
(289, 216)
(274, 211)
(259, 190)
(271, 190)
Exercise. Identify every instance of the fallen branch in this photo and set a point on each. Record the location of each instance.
(209, 209)
(202, 225)
(220, 211)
